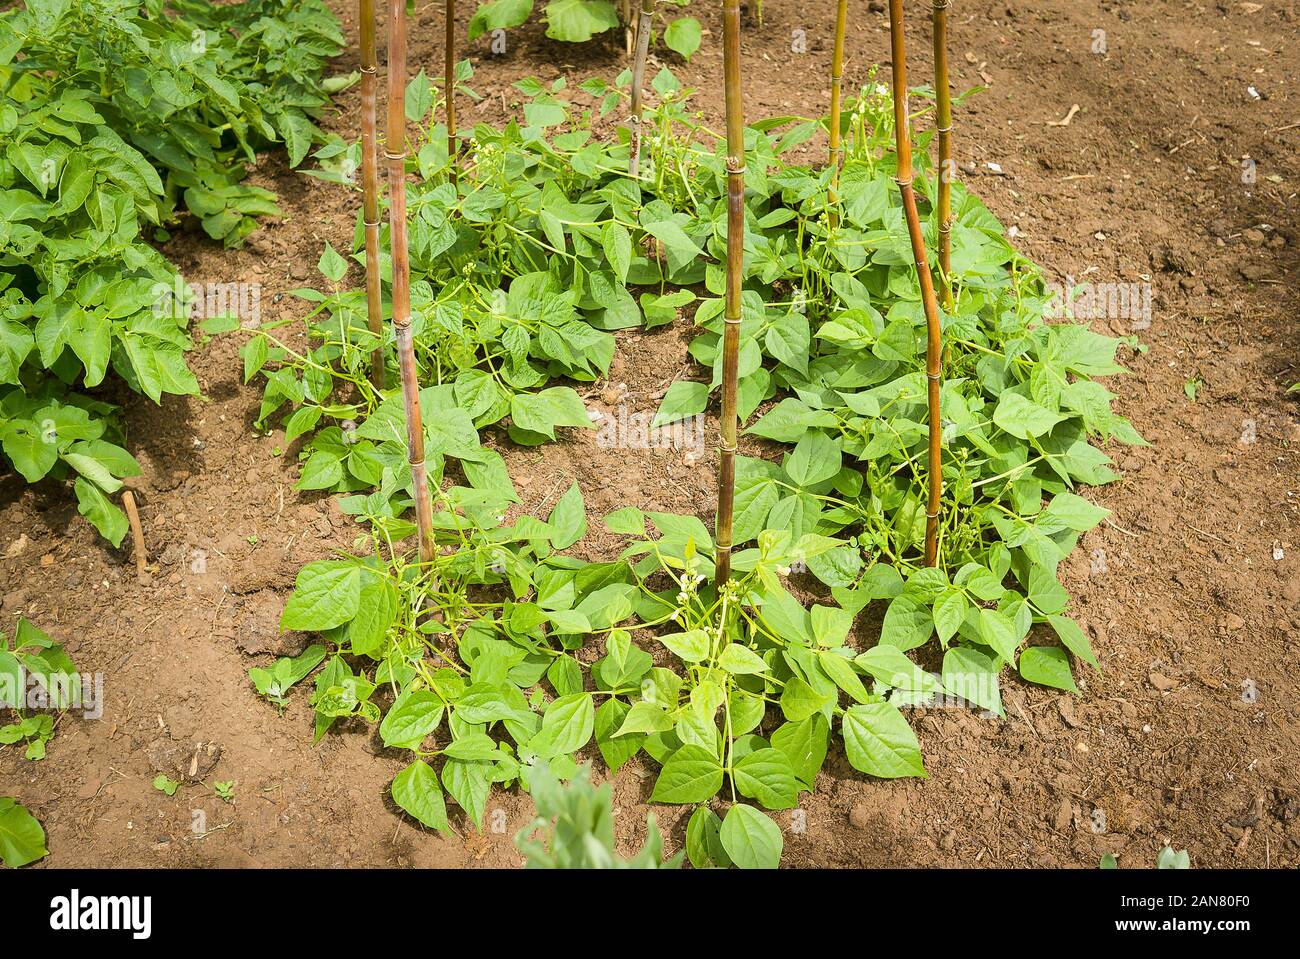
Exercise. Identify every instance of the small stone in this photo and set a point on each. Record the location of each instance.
(1254, 237)
(1162, 682)
(1068, 715)
(1064, 816)
(1234, 622)
(47, 560)
(948, 841)
(17, 547)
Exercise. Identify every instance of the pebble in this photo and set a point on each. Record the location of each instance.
(1162, 682)
(860, 816)
(1064, 815)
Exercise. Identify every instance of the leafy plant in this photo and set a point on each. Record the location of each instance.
(225, 790)
(520, 270)
(115, 111)
(274, 683)
(165, 784)
(576, 820)
(22, 840)
(35, 672)
(577, 21)
(1168, 859)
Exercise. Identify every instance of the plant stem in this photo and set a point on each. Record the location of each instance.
(395, 154)
(947, 167)
(934, 343)
(638, 78)
(449, 80)
(735, 257)
(370, 189)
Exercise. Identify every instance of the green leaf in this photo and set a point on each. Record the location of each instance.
(542, 412)
(767, 776)
(890, 666)
(1070, 511)
(27, 449)
(997, 631)
(22, 840)
(331, 265)
(103, 514)
(908, 623)
(1024, 418)
(326, 594)
(692, 774)
(973, 675)
(417, 791)
(838, 669)
(704, 840)
(577, 21)
(617, 243)
(949, 613)
(1069, 632)
(567, 726)
(615, 749)
(683, 36)
(498, 15)
(805, 744)
(816, 458)
(645, 717)
(750, 838)
(568, 519)
(413, 715)
(1047, 666)
(879, 742)
(469, 784)
(691, 646)
(685, 398)
(739, 659)
(419, 98)
(799, 700)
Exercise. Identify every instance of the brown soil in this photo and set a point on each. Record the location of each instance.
(1144, 184)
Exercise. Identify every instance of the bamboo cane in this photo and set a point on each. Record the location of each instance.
(903, 140)
(395, 154)
(947, 168)
(837, 75)
(735, 257)
(449, 79)
(638, 78)
(370, 189)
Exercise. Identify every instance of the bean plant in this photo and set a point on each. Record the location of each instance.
(506, 651)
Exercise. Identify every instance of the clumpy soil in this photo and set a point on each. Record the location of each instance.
(1190, 590)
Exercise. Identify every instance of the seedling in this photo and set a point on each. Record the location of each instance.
(165, 784)
(576, 820)
(225, 790)
(274, 683)
(35, 672)
(1168, 859)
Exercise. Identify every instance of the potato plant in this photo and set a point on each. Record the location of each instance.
(116, 114)
(504, 651)
(577, 21)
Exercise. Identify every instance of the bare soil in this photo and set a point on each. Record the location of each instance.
(1190, 591)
